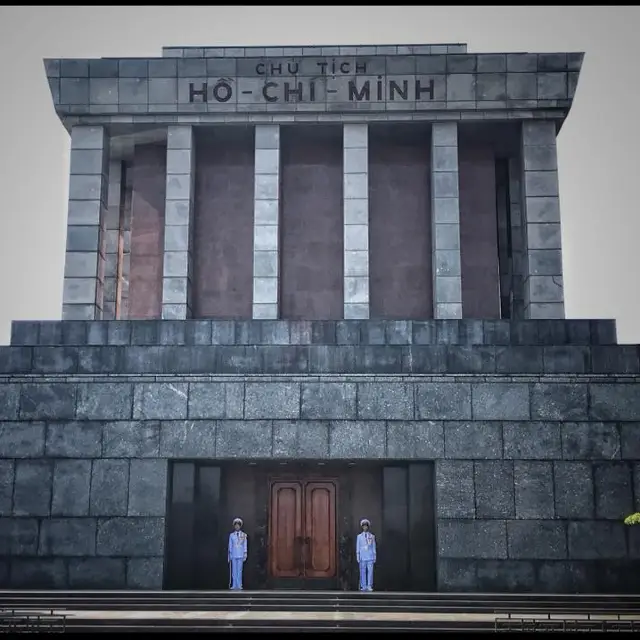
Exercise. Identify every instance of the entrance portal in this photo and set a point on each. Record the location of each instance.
(302, 534)
(301, 519)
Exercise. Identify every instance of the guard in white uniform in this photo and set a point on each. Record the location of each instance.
(366, 555)
(237, 554)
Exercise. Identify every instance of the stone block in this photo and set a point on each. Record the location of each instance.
(32, 488)
(24, 333)
(476, 359)
(385, 401)
(141, 537)
(532, 441)
(219, 400)
(74, 440)
(131, 439)
(54, 360)
(472, 539)
(15, 360)
(545, 235)
(521, 86)
(569, 359)
(498, 401)
(443, 401)
(38, 573)
(614, 402)
(243, 439)
(595, 540)
(519, 359)
(545, 262)
(22, 440)
(398, 332)
(461, 87)
(455, 496)
(18, 536)
(491, 63)
(446, 209)
(494, 489)
(534, 490)
(415, 439)
(174, 292)
(615, 359)
(613, 490)
(590, 441)
(74, 91)
(472, 440)
(295, 439)
(162, 401)
(537, 540)
(176, 238)
(109, 488)
(573, 484)
(356, 291)
(7, 474)
(445, 186)
(147, 488)
(329, 401)
(188, 439)
(491, 86)
(68, 537)
(456, 575)
(97, 573)
(272, 400)
(71, 482)
(357, 439)
(355, 160)
(543, 209)
(552, 86)
(197, 332)
(559, 402)
(565, 577)
(145, 573)
(48, 401)
(110, 401)
(511, 576)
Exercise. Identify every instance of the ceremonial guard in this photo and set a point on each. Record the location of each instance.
(366, 555)
(237, 554)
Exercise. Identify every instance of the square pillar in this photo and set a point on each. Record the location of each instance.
(445, 221)
(82, 297)
(543, 282)
(266, 216)
(356, 221)
(517, 239)
(178, 223)
(112, 240)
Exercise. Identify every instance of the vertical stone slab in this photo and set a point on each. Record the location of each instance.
(125, 262)
(543, 282)
(113, 239)
(517, 239)
(85, 261)
(266, 240)
(356, 221)
(178, 231)
(447, 270)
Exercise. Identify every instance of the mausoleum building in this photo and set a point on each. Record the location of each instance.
(305, 286)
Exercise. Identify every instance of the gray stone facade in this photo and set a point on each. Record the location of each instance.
(534, 428)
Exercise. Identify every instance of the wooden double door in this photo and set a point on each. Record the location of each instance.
(302, 533)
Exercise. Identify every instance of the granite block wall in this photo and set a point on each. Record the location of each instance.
(537, 449)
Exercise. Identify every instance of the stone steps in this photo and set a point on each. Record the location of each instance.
(319, 611)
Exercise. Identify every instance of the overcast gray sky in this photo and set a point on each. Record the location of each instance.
(598, 156)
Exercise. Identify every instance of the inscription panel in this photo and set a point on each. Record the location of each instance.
(313, 84)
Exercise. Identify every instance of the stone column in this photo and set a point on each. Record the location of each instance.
(517, 239)
(356, 221)
(112, 240)
(543, 282)
(178, 223)
(445, 221)
(266, 208)
(84, 260)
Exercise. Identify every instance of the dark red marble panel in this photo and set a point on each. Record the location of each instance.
(400, 223)
(311, 235)
(223, 224)
(478, 231)
(147, 231)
